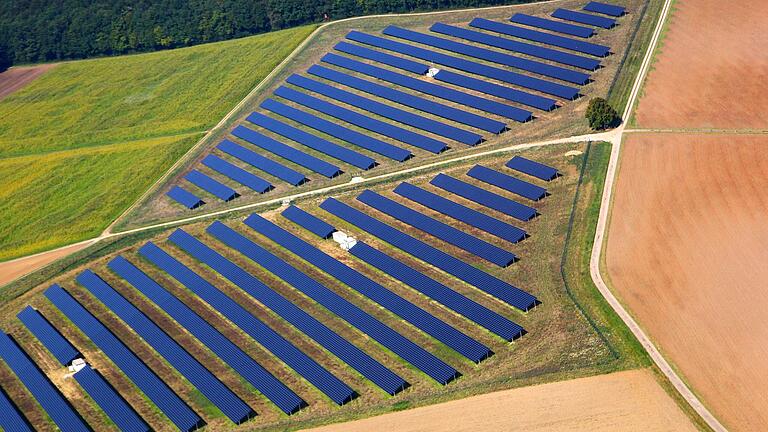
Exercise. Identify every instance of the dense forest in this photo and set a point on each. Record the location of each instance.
(43, 30)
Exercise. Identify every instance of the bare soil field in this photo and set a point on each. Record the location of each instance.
(687, 252)
(627, 401)
(11, 270)
(17, 77)
(710, 71)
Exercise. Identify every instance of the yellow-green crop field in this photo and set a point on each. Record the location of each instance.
(79, 144)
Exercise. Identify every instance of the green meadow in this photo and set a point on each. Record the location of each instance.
(79, 144)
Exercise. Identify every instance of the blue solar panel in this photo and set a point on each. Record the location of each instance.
(181, 360)
(438, 229)
(406, 310)
(334, 388)
(348, 353)
(556, 26)
(310, 222)
(384, 58)
(155, 389)
(46, 394)
(184, 197)
(367, 324)
(351, 136)
(433, 289)
(507, 182)
(432, 89)
(461, 64)
(267, 165)
(542, 37)
(466, 272)
(482, 196)
(386, 111)
(107, 398)
(584, 18)
(535, 169)
(365, 122)
(462, 213)
(604, 8)
(406, 99)
(490, 88)
(226, 350)
(211, 186)
(312, 141)
(516, 46)
(12, 420)
(534, 66)
(237, 174)
(285, 151)
(61, 348)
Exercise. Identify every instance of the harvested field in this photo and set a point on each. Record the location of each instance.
(14, 269)
(627, 401)
(712, 79)
(686, 252)
(15, 78)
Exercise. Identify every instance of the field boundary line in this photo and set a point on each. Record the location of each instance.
(597, 250)
(713, 131)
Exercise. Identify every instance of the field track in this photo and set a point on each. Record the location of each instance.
(15, 78)
(627, 401)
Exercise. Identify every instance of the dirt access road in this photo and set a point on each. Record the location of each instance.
(626, 401)
(17, 77)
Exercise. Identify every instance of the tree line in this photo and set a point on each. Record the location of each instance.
(33, 31)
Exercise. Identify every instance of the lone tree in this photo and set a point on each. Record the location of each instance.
(601, 115)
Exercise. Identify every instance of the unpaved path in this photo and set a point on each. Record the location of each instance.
(14, 269)
(626, 401)
(17, 77)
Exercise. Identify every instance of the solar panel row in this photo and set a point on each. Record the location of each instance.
(604, 8)
(580, 17)
(351, 136)
(350, 354)
(237, 174)
(269, 166)
(308, 221)
(310, 370)
(287, 152)
(12, 420)
(225, 349)
(516, 46)
(484, 197)
(537, 36)
(312, 141)
(215, 188)
(61, 348)
(462, 213)
(483, 86)
(438, 229)
(433, 289)
(365, 122)
(507, 182)
(384, 58)
(407, 99)
(534, 66)
(41, 388)
(184, 197)
(461, 270)
(181, 360)
(107, 398)
(386, 111)
(403, 347)
(406, 310)
(150, 384)
(432, 89)
(461, 64)
(532, 168)
(556, 26)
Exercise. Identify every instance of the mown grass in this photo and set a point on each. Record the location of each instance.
(79, 144)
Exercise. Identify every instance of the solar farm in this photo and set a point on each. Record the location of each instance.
(361, 236)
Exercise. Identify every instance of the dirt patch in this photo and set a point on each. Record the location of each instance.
(686, 252)
(12, 270)
(627, 401)
(15, 78)
(716, 78)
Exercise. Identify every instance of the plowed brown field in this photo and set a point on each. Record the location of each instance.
(15, 78)
(687, 252)
(712, 70)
